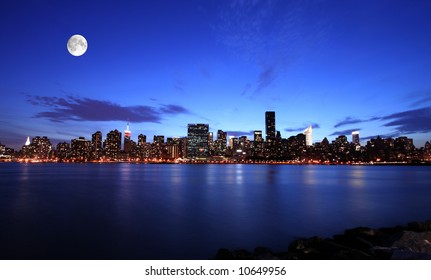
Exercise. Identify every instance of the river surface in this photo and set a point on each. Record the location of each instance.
(173, 211)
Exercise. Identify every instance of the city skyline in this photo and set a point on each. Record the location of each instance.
(130, 136)
(200, 145)
(336, 67)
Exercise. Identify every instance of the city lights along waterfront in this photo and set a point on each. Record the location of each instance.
(200, 146)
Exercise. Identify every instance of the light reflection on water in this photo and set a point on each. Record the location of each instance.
(139, 211)
(358, 176)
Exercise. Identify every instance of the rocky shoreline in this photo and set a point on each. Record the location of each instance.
(409, 242)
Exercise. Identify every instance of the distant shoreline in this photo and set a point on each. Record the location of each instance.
(215, 162)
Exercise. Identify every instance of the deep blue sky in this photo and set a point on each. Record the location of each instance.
(337, 65)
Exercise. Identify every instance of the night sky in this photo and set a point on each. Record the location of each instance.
(339, 66)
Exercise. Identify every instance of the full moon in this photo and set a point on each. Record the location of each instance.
(77, 45)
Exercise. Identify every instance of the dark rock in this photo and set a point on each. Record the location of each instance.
(242, 255)
(335, 251)
(356, 242)
(352, 254)
(304, 243)
(409, 255)
(306, 248)
(419, 226)
(364, 236)
(360, 231)
(224, 254)
(263, 253)
(382, 253)
(386, 231)
(418, 242)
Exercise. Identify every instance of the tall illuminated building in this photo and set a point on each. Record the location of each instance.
(42, 147)
(231, 141)
(112, 144)
(96, 145)
(173, 147)
(258, 143)
(220, 143)
(197, 140)
(127, 141)
(355, 137)
(270, 126)
(142, 140)
(270, 150)
(159, 139)
(27, 149)
(80, 149)
(158, 147)
(63, 150)
(308, 136)
(257, 136)
(211, 144)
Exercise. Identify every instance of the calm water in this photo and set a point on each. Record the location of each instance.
(128, 211)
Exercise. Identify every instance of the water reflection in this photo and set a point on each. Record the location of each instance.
(271, 174)
(309, 176)
(125, 179)
(23, 196)
(23, 175)
(239, 174)
(189, 211)
(357, 177)
(175, 175)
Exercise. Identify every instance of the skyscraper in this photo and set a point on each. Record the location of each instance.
(112, 144)
(355, 137)
(159, 139)
(220, 143)
(258, 143)
(197, 140)
(63, 150)
(96, 145)
(127, 141)
(80, 149)
(211, 143)
(158, 147)
(42, 147)
(308, 136)
(270, 126)
(142, 140)
(270, 134)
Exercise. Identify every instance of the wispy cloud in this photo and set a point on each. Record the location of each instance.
(303, 127)
(412, 121)
(246, 89)
(173, 109)
(422, 97)
(352, 120)
(266, 77)
(72, 108)
(347, 121)
(405, 122)
(344, 132)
